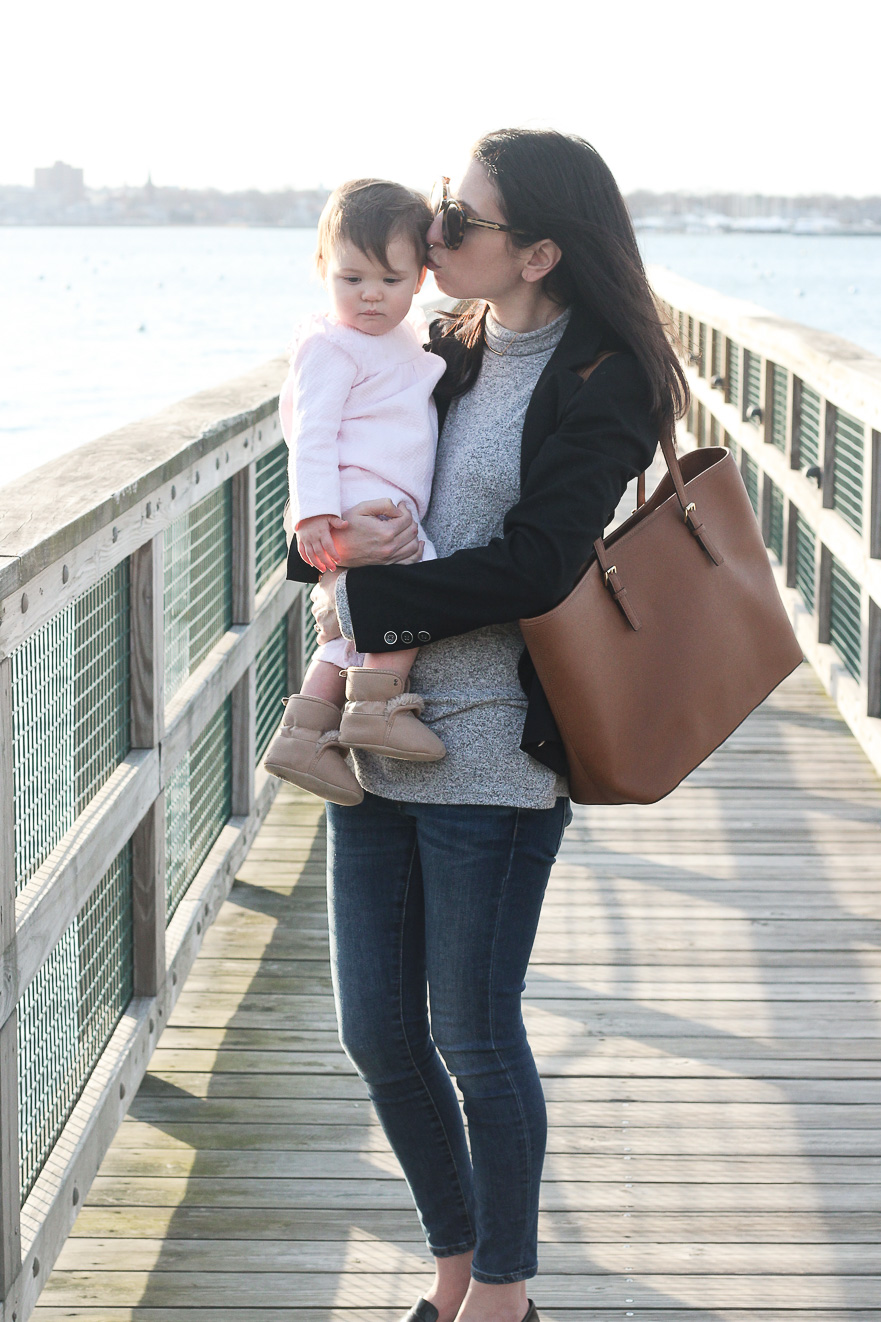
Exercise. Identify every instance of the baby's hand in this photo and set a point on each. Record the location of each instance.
(315, 543)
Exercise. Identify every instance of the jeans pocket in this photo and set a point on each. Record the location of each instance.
(567, 818)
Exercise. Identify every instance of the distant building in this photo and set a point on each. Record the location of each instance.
(64, 183)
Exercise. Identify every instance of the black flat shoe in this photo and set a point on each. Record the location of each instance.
(423, 1311)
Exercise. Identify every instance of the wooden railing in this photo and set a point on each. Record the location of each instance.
(801, 410)
(147, 634)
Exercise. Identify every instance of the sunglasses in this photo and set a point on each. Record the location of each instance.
(454, 221)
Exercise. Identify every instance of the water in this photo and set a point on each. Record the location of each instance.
(830, 282)
(99, 327)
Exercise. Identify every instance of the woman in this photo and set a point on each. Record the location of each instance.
(436, 880)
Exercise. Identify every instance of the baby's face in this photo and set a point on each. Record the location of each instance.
(368, 296)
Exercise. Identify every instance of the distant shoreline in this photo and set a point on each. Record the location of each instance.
(722, 230)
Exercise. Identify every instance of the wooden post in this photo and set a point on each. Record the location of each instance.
(244, 544)
(790, 544)
(795, 422)
(788, 421)
(874, 501)
(244, 591)
(824, 594)
(767, 402)
(873, 667)
(827, 458)
(10, 1183)
(244, 742)
(147, 644)
(148, 900)
(148, 729)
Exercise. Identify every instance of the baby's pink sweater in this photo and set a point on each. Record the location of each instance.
(358, 417)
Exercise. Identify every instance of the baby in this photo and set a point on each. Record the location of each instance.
(360, 423)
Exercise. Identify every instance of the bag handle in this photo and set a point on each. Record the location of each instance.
(689, 511)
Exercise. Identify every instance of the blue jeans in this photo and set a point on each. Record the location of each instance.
(442, 901)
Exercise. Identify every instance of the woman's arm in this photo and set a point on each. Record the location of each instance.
(605, 438)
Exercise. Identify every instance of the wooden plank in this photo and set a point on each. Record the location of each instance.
(370, 1314)
(283, 1255)
(360, 1136)
(257, 1165)
(368, 1193)
(244, 552)
(622, 1086)
(161, 1289)
(244, 747)
(185, 1114)
(10, 1217)
(147, 644)
(571, 1226)
(612, 1140)
(148, 900)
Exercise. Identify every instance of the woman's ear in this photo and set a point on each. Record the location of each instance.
(542, 259)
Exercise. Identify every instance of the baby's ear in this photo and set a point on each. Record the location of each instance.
(421, 281)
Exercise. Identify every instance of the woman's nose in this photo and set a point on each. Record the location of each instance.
(435, 232)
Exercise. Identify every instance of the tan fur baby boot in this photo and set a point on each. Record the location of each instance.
(307, 751)
(382, 716)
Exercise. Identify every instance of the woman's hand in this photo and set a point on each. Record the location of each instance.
(378, 533)
(327, 626)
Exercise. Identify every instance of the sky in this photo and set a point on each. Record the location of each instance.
(746, 96)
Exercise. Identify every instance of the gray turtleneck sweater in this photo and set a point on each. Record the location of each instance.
(473, 698)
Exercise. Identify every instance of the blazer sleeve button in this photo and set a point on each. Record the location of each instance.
(406, 636)
(390, 637)
(424, 636)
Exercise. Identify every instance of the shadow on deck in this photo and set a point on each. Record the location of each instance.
(703, 1003)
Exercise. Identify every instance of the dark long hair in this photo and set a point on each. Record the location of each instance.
(552, 186)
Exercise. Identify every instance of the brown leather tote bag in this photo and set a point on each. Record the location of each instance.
(670, 638)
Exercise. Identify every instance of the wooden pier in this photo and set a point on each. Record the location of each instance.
(180, 1132)
(704, 1006)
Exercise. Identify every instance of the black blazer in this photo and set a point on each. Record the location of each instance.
(583, 441)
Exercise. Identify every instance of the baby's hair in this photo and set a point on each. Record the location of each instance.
(370, 213)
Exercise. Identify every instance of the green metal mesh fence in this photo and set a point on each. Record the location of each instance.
(733, 373)
(809, 428)
(70, 715)
(775, 520)
(272, 491)
(197, 805)
(848, 469)
(753, 373)
(750, 470)
(198, 585)
(272, 685)
(68, 1012)
(845, 633)
(779, 391)
(805, 570)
